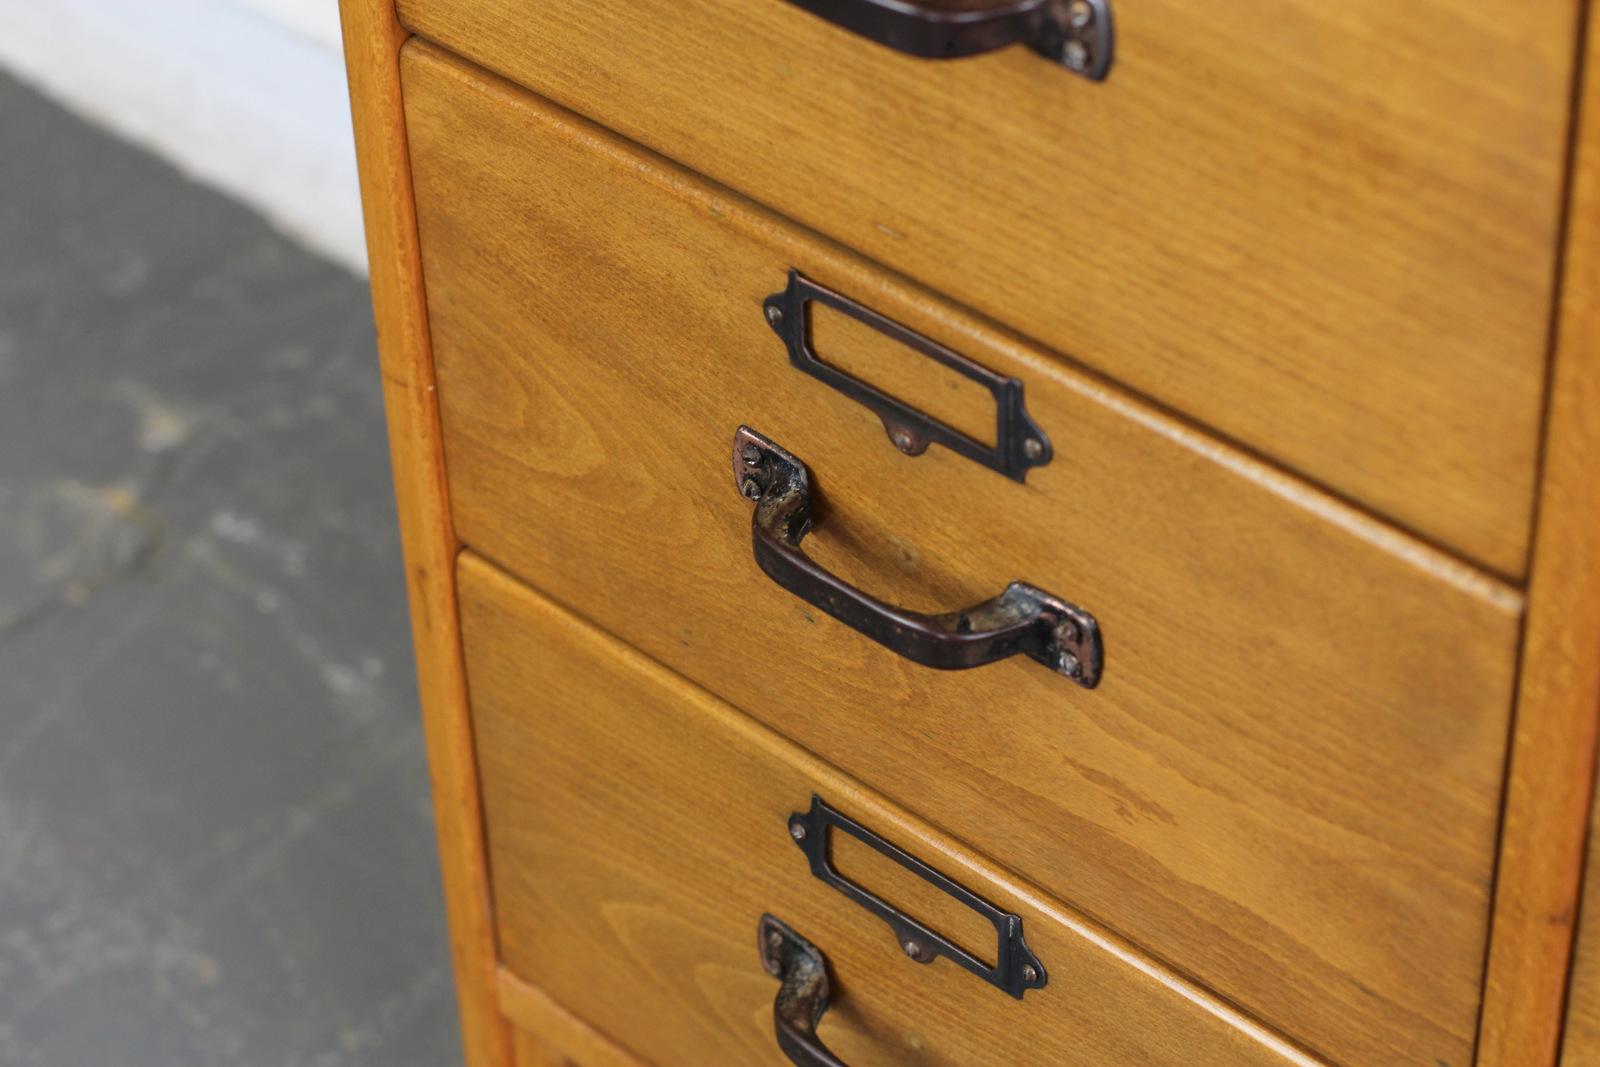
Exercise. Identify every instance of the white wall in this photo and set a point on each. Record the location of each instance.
(248, 96)
(315, 20)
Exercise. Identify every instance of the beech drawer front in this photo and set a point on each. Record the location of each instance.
(638, 831)
(1287, 782)
(1325, 229)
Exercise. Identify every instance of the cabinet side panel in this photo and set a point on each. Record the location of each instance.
(1581, 1042)
(1553, 741)
(373, 39)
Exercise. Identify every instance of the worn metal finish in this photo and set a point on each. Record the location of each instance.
(1016, 968)
(1077, 34)
(802, 995)
(1019, 442)
(1022, 619)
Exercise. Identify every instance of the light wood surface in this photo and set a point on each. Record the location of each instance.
(372, 47)
(638, 830)
(1326, 230)
(1288, 783)
(563, 1040)
(1553, 751)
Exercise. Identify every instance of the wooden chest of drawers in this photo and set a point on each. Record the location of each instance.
(736, 363)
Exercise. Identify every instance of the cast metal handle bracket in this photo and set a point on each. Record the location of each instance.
(1074, 33)
(1019, 442)
(802, 973)
(1022, 619)
(1016, 969)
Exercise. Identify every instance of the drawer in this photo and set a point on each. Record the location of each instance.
(1325, 230)
(545, 1034)
(639, 830)
(1287, 782)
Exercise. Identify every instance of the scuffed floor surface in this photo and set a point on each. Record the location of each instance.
(215, 841)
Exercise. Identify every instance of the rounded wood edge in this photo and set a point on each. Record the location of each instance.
(373, 38)
(1552, 760)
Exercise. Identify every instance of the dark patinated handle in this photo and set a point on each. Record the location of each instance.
(1075, 33)
(802, 994)
(1022, 619)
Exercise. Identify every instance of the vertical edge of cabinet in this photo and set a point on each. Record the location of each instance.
(1552, 762)
(1580, 1038)
(373, 38)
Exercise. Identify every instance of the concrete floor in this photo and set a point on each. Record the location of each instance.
(215, 842)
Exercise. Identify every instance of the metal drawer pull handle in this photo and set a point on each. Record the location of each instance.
(1075, 33)
(802, 994)
(1022, 619)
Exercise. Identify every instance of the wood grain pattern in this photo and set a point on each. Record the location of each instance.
(529, 1051)
(638, 832)
(372, 49)
(1558, 700)
(1326, 230)
(563, 1040)
(1288, 783)
(1580, 1041)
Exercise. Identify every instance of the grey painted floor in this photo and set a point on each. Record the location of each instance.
(215, 842)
